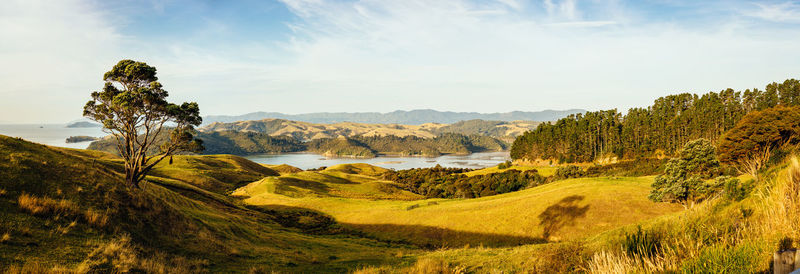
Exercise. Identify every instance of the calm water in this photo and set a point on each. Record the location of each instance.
(309, 160)
(56, 135)
(50, 134)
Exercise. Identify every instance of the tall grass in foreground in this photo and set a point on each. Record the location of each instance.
(722, 235)
(782, 214)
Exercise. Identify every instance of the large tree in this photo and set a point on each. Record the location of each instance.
(132, 107)
(684, 175)
(749, 145)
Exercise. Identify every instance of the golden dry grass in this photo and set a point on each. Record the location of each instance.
(57, 208)
(558, 211)
(344, 181)
(422, 266)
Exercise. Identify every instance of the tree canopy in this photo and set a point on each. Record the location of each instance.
(660, 129)
(132, 107)
(683, 178)
(749, 144)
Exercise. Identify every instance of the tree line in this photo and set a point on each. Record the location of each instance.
(660, 129)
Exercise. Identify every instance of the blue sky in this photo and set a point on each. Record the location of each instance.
(299, 56)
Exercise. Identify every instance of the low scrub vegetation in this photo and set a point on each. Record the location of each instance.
(440, 182)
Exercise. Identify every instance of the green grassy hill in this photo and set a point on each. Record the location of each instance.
(69, 209)
(563, 210)
(340, 181)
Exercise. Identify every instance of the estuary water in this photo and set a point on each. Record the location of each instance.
(56, 135)
(50, 134)
(310, 160)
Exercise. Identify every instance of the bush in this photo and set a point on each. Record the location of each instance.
(569, 171)
(504, 165)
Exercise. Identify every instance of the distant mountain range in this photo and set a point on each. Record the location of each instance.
(413, 117)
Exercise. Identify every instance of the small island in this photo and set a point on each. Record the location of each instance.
(83, 124)
(79, 139)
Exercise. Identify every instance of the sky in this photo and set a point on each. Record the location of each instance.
(301, 56)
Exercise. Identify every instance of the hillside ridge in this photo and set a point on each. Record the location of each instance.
(412, 117)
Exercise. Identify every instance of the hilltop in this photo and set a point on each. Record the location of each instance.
(413, 117)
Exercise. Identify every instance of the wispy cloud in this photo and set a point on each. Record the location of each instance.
(51, 50)
(382, 55)
(777, 12)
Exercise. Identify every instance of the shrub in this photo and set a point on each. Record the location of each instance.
(504, 165)
(570, 171)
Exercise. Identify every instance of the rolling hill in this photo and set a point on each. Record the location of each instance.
(563, 210)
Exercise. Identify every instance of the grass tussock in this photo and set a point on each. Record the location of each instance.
(611, 262)
(121, 256)
(35, 267)
(44, 206)
(422, 266)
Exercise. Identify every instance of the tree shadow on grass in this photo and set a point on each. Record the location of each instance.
(561, 214)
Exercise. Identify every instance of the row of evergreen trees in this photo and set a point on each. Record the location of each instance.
(663, 127)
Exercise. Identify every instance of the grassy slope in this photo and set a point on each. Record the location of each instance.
(719, 235)
(171, 217)
(566, 210)
(343, 181)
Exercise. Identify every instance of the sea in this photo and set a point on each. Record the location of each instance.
(50, 134)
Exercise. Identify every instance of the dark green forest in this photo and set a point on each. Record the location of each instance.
(658, 130)
(442, 182)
